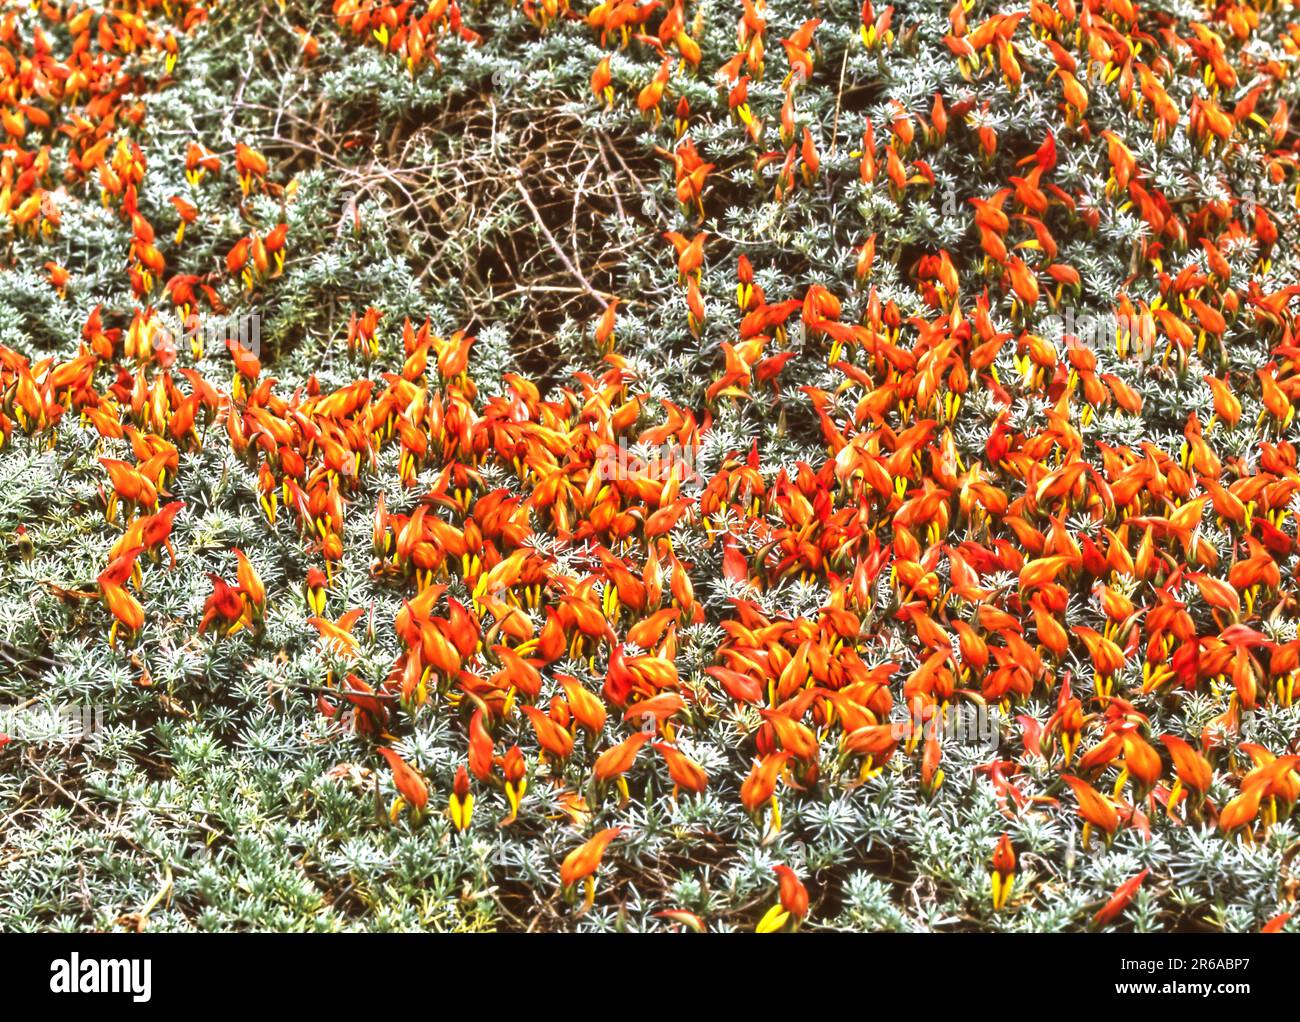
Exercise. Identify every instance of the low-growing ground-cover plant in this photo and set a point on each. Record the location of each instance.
(693, 465)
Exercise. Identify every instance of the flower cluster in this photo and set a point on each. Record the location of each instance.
(909, 489)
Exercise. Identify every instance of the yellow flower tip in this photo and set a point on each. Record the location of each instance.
(1002, 887)
(774, 920)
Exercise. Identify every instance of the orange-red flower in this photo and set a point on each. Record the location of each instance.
(410, 784)
(1004, 871)
(460, 806)
(614, 762)
(583, 861)
(1120, 899)
(760, 785)
(1096, 809)
(685, 772)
